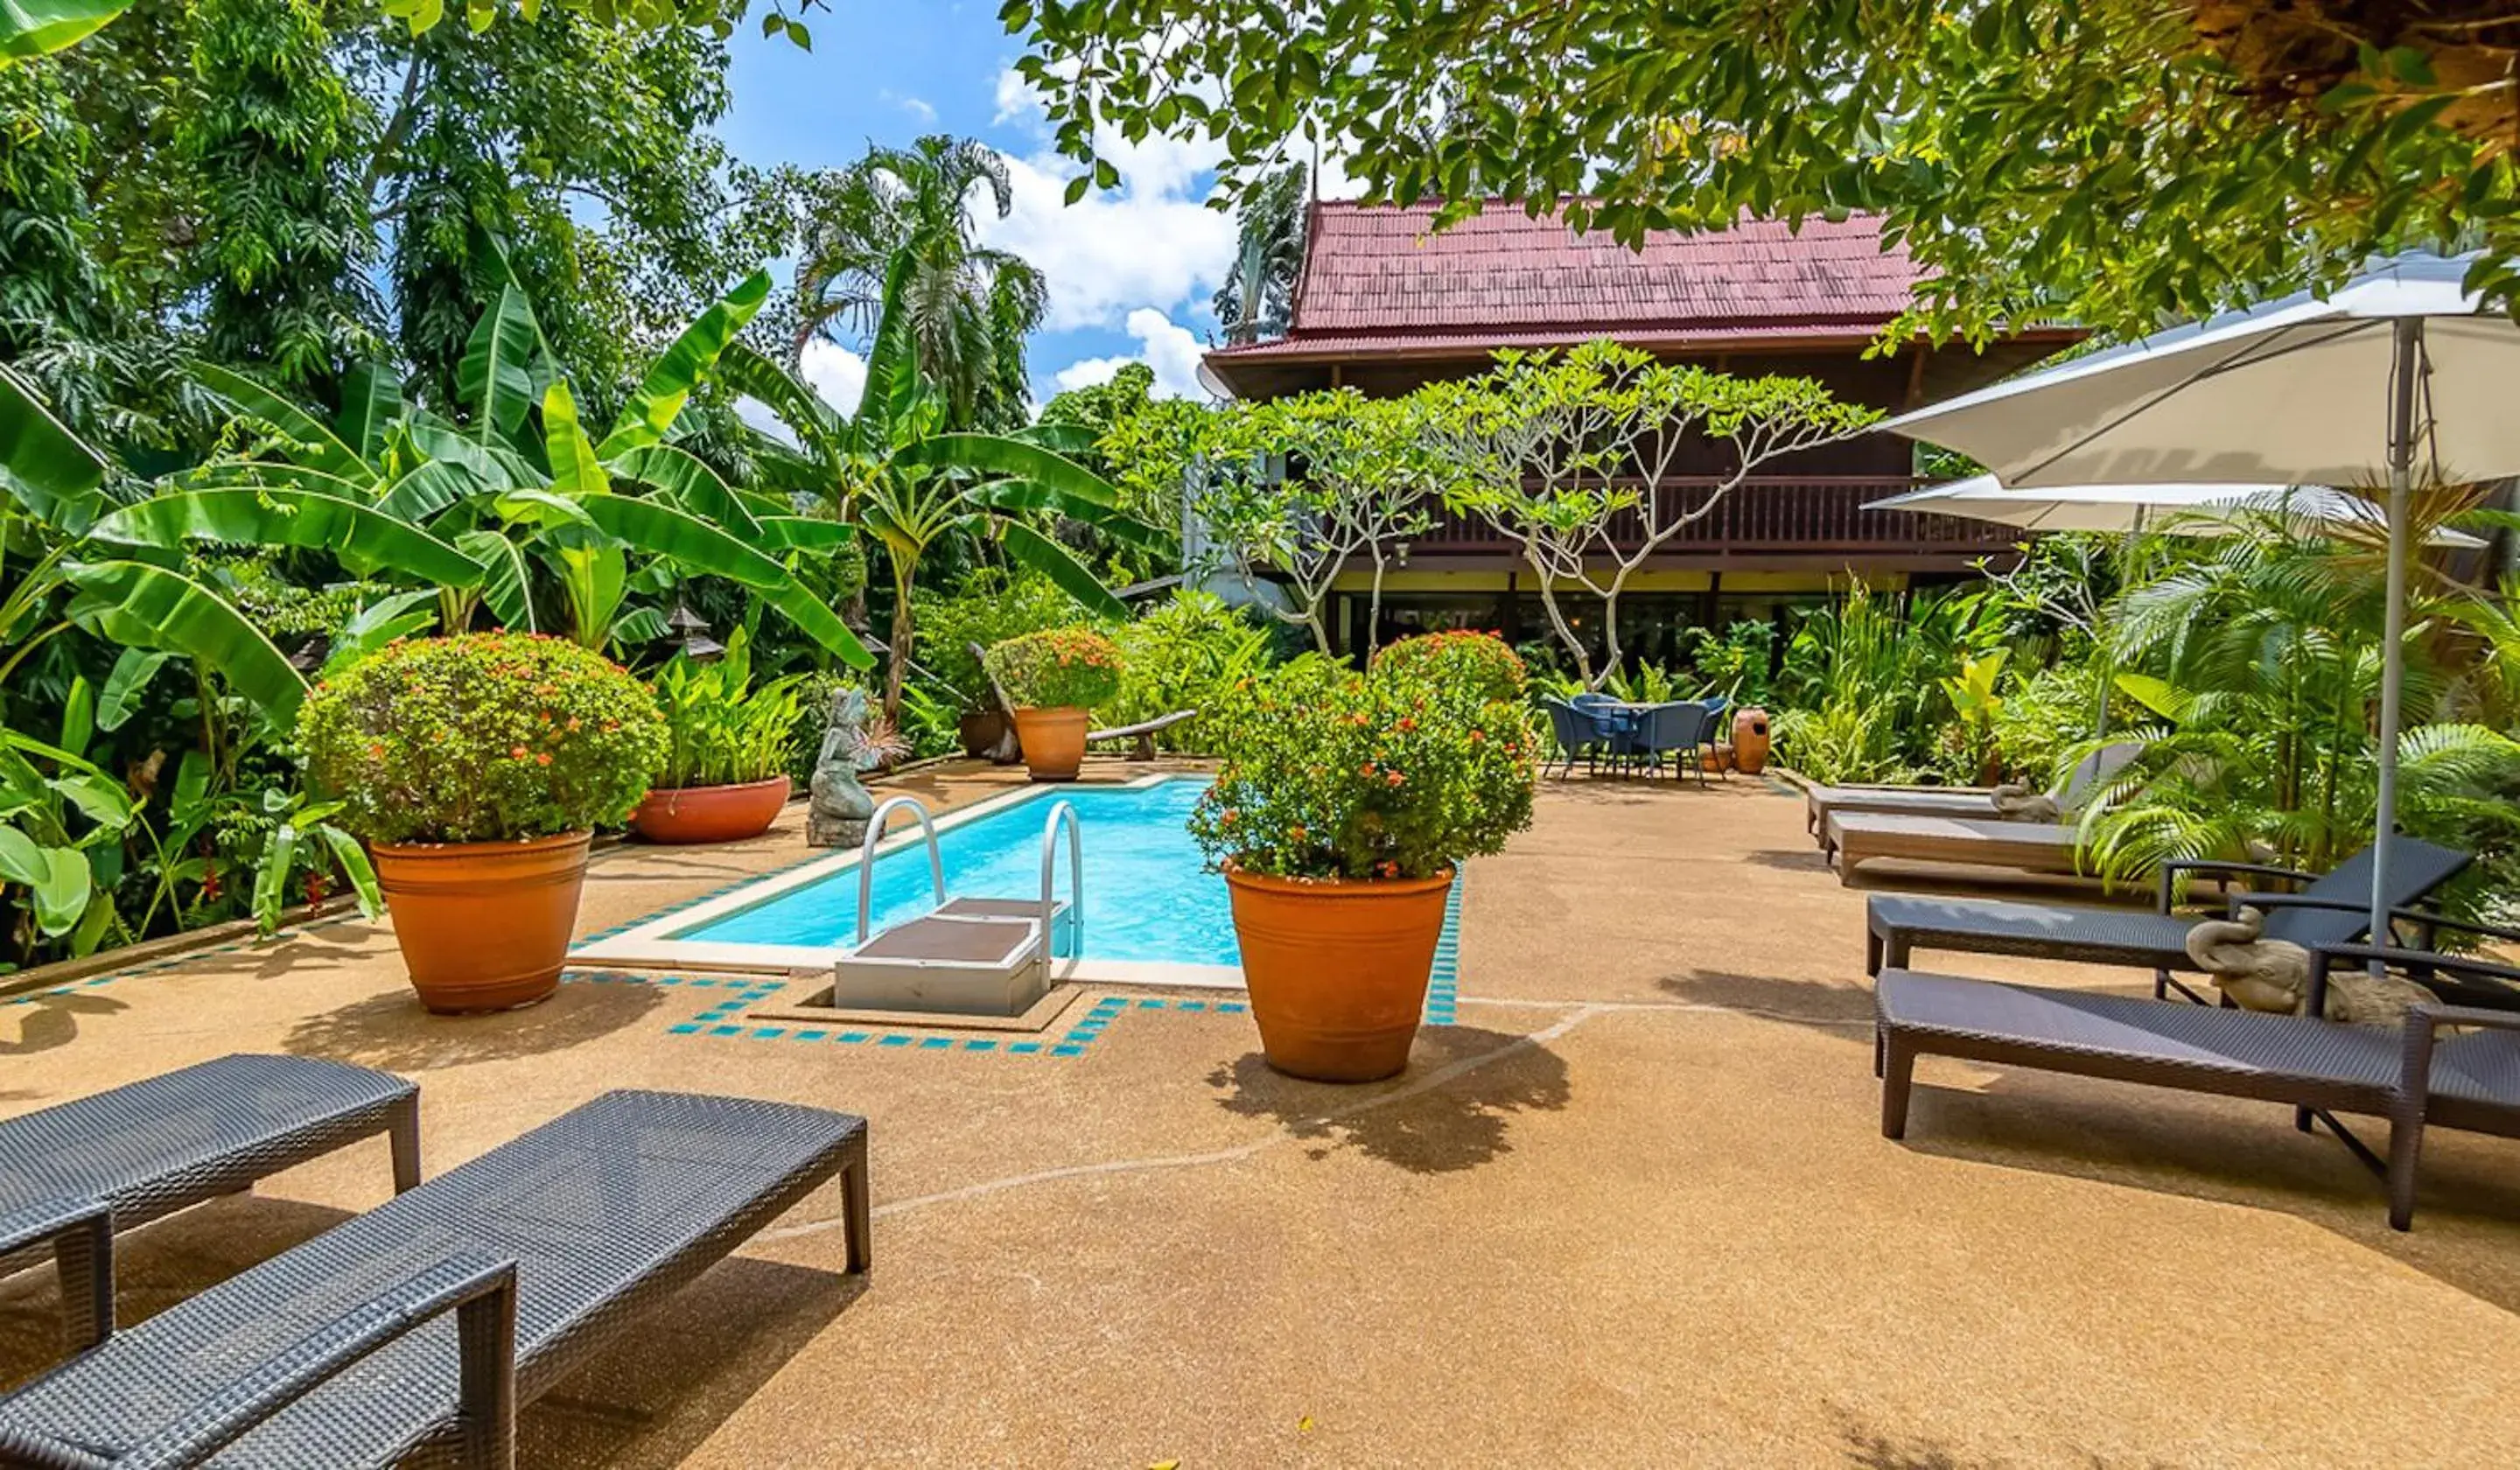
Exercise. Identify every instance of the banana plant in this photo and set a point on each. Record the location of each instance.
(897, 469)
(62, 823)
(75, 575)
(519, 508)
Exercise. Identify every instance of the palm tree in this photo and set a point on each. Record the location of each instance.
(967, 308)
(898, 468)
(1259, 298)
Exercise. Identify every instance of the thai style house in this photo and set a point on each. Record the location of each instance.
(1384, 304)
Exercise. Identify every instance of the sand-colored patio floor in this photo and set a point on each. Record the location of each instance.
(1633, 1209)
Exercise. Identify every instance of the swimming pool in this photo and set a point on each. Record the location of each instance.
(1153, 911)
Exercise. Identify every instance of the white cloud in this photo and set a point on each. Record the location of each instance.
(917, 107)
(836, 372)
(1149, 242)
(1172, 350)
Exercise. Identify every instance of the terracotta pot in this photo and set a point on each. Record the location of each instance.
(1750, 741)
(1338, 968)
(711, 814)
(980, 729)
(483, 925)
(1054, 741)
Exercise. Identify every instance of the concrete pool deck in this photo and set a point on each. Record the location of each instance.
(1632, 1207)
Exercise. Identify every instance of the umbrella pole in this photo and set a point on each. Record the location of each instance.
(2409, 333)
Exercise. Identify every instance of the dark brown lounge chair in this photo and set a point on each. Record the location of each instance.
(2331, 908)
(2409, 1075)
(340, 1353)
(74, 1175)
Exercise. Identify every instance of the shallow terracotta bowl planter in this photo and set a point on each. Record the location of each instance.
(711, 814)
(483, 925)
(1338, 968)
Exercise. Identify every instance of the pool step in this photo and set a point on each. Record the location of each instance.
(967, 956)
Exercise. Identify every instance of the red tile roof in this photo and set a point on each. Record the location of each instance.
(1378, 282)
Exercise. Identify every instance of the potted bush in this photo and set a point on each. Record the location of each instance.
(728, 748)
(1054, 679)
(1342, 810)
(475, 769)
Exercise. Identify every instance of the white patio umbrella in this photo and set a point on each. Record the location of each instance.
(2190, 510)
(2399, 364)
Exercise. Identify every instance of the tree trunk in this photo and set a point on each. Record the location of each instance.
(1557, 620)
(898, 666)
(1373, 607)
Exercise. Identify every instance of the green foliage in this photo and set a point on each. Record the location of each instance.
(1735, 663)
(1865, 685)
(720, 729)
(2113, 161)
(1258, 299)
(1059, 668)
(1334, 775)
(1480, 663)
(988, 605)
(484, 738)
(1190, 653)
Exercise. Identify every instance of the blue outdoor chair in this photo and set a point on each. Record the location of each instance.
(1680, 730)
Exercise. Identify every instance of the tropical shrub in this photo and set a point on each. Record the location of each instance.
(1481, 663)
(1187, 654)
(481, 738)
(720, 730)
(1335, 775)
(987, 606)
(1055, 669)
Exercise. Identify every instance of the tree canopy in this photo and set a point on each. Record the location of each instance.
(2113, 161)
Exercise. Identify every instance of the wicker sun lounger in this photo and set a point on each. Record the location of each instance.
(340, 1353)
(1820, 802)
(2333, 908)
(2409, 1075)
(1858, 838)
(73, 1176)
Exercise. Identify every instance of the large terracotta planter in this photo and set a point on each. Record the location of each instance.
(1750, 741)
(1054, 741)
(483, 925)
(1338, 968)
(711, 814)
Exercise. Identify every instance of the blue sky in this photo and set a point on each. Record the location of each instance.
(1130, 271)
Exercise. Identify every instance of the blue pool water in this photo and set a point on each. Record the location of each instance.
(1146, 894)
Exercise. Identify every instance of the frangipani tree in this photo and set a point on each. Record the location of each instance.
(1594, 460)
(519, 508)
(1306, 484)
(898, 468)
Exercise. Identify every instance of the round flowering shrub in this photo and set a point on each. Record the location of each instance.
(1056, 669)
(481, 738)
(1479, 662)
(1329, 773)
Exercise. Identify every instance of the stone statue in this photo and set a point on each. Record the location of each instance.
(838, 815)
(2016, 802)
(2273, 975)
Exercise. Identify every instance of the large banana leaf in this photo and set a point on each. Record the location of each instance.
(246, 473)
(687, 541)
(804, 533)
(152, 607)
(690, 484)
(1025, 497)
(815, 423)
(496, 373)
(37, 28)
(371, 401)
(680, 368)
(365, 539)
(316, 443)
(574, 468)
(996, 453)
(427, 490)
(1051, 560)
(507, 590)
(43, 465)
(892, 363)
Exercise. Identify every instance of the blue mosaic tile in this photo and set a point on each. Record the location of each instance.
(1024, 1049)
(980, 1045)
(1233, 1007)
(852, 1036)
(807, 1036)
(726, 1031)
(892, 1041)
(1067, 1051)
(686, 1030)
(768, 1033)
(935, 1043)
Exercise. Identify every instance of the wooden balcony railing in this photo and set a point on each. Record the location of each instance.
(1771, 515)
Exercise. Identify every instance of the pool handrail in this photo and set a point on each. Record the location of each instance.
(1061, 811)
(865, 856)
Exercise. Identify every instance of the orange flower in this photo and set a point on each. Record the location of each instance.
(544, 758)
(520, 752)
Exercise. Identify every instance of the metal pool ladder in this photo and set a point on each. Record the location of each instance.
(967, 955)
